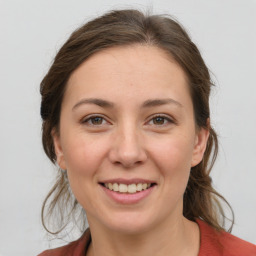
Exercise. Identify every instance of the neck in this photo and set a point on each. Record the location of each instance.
(179, 237)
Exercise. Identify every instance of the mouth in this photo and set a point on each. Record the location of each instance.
(128, 191)
(127, 188)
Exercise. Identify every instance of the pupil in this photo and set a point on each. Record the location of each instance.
(97, 120)
(159, 120)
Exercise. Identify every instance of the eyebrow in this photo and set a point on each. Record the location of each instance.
(107, 104)
(159, 102)
(99, 102)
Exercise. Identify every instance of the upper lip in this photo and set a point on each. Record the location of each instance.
(127, 181)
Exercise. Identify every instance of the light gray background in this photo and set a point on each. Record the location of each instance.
(32, 32)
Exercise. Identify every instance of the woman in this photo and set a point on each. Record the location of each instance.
(125, 109)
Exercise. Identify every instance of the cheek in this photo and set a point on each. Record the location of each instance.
(173, 154)
(173, 157)
(83, 156)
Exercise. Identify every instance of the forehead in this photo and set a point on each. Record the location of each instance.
(137, 70)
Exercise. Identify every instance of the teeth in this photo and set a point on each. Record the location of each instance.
(144, 186)
(110, 186)
(131, 188)
(123, 188)
(139, 187)
(115, 187)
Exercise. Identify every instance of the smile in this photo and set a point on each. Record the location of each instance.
(130, 189)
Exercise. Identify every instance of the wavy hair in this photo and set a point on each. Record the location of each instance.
(122, 28)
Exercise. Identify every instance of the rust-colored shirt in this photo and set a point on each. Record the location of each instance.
(212, 243)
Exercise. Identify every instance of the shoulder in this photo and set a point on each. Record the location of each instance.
(77, 247)
(216, 243)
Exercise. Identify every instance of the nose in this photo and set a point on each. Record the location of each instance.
(127, 149)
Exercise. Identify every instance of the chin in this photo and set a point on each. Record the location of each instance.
(130, 228)
(130, 223)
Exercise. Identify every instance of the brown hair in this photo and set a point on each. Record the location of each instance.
(121, 28)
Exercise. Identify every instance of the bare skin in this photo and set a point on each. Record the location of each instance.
(180, 240)
(127, 115)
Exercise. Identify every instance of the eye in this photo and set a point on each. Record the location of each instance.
(94, 121)
(160, 120)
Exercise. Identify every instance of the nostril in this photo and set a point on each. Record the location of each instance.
(127, 154)
(127, 165)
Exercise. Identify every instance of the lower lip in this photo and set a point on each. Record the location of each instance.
(126, 198)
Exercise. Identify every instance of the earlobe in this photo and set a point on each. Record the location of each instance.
(58, 149)
(200, 146)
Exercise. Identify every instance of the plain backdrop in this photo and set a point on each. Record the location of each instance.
(31, 32)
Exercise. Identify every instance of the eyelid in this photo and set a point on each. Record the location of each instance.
(170, 120)
(85, 120)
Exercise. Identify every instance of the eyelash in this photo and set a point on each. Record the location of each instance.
(90, 118)
(166, 119)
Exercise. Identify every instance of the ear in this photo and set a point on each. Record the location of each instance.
(58, 149)
(200, 145)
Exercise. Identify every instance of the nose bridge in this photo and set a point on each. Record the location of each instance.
(127, 148)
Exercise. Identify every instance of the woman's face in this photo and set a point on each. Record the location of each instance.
(127, 122)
